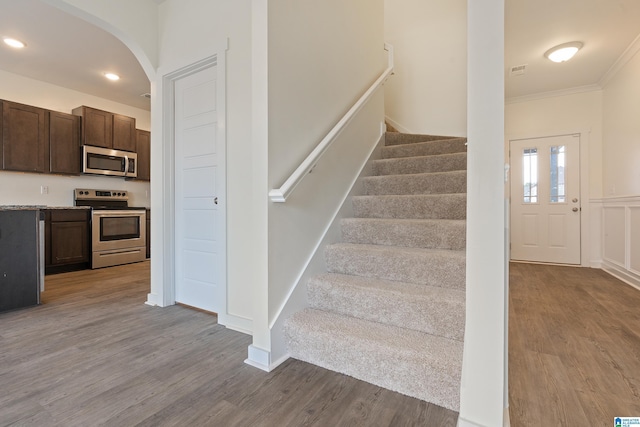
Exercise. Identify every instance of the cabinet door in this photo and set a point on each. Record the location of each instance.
(69, 242)
(64, 143)
(97, 126)
(124, 133)
(24, 138)
(143, 148)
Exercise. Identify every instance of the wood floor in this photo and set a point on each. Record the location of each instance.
(574, 347)
(94, 354)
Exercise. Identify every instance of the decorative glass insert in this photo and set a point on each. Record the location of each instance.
(530, 175)
(557, 167)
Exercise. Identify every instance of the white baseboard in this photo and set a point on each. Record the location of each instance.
(153, 300)
(258, 358)
(239, 324)
(619, 273)
(261, 359)
(397, 125)
(506, 421)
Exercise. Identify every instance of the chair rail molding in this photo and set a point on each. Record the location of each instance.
(279, 195)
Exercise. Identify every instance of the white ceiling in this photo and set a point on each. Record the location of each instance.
(69, 52)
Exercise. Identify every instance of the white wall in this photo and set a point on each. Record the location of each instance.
(428, 93)
(621, 132)
(322, 57)
(24, 188)
(573, 113)
(186, 35)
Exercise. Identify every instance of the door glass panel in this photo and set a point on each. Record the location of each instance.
(530, 175)
(557, 181)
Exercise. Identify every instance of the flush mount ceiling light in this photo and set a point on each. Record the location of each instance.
(563, 52)
(14, 42)
(112, 76)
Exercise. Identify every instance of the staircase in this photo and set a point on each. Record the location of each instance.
(390, 310)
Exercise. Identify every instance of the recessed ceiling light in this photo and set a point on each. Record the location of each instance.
(112, 76)
(563, 52)
(14, 42)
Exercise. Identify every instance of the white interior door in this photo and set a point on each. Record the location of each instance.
(545, 199)
(199, 194)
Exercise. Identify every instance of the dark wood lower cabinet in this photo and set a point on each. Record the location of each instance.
(148, 230)
(67, 240)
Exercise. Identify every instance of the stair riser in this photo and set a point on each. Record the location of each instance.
(392, 365)
(434, 235)
(433, 269)
(412, 206)
(398, 138)
(425, 148)
(426, 164)
(444, 183)
(439, 317)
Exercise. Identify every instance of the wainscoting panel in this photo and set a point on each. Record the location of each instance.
(634, 239)
(621, 238)
(614, 235)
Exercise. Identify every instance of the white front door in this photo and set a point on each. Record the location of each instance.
(545, 199)
(200, 221)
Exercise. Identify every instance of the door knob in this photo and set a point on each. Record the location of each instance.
(575, 200)
(575, 209)
(215, 201)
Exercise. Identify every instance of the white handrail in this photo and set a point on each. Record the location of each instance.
(280, 194)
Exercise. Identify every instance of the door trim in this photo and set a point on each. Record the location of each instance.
(585, 235)
(168, 168)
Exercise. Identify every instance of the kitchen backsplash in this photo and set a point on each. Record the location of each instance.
(17, 188)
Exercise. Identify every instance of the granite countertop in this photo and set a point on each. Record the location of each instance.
(37, 207)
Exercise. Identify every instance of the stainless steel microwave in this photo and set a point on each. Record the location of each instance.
(103, 161)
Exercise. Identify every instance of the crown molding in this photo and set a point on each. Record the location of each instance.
(553, 94)
(626, 56)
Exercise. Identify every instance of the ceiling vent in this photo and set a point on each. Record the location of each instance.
(146, 95)
(518, 70)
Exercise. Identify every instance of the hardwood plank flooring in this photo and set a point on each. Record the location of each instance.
(94, 354)
(574, 347)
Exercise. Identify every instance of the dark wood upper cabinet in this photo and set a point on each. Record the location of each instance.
(24, 138)
(97, 126)
(124, 133)
(64, 143)
(143, 148)
(105, 129)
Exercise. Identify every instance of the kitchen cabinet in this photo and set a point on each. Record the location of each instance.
(25, 144)
(104, 129)
(67, 240)
(143, 148)
(20, 278)
(64, 143)
(148, 230)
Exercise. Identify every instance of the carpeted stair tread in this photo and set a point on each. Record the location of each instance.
(399, 138)
(410, 362)
(415, 233)
(421, 164)
(412, 206)
(419, 183)
(429, 309)
(430, 148)
(432, 267)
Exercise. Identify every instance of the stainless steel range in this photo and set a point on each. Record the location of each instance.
(118, 234)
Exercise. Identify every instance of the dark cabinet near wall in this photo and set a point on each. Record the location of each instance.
(104, 129)
(143, 148)
(67, 240)
(64, 143)
(24, 138)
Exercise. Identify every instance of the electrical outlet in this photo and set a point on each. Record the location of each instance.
(44, 189)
